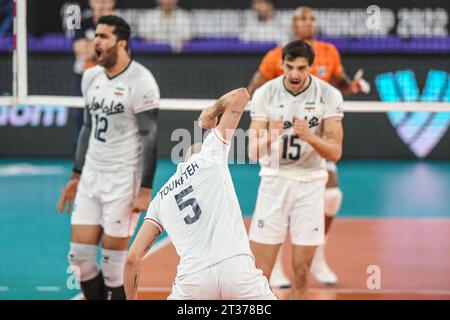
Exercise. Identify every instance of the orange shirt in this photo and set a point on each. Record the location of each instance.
(327, 62)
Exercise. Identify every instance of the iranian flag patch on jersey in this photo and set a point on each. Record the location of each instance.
(119, 91)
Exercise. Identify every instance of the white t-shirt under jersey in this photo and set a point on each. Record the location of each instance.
(297, 159)
(115, 142)
(199, 209)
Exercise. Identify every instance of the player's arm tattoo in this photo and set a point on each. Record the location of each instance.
(136, 280)
(236, 113)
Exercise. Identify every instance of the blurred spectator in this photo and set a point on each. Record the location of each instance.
(166, 23)
(6, 17)
(83, 46)
(263, 24)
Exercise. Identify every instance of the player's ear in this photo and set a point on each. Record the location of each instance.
(123, 44)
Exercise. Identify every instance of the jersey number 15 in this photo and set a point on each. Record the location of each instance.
(290, 144)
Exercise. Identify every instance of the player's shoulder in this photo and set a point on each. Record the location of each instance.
(324, 45)
(141, 72)
(275, 53)
(326, 88)
(323, 85)
(90, 74)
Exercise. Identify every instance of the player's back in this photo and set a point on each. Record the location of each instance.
(199, 209)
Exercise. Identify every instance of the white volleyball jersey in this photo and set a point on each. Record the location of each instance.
(115, 142)
(199, 209)
(294, 158)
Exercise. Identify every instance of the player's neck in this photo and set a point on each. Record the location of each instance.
(309, 41)
(119, 67)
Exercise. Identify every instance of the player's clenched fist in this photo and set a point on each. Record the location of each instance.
(301, 128)
(68, 195)
(208, 118)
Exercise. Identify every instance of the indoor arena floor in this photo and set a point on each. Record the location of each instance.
(395, 216)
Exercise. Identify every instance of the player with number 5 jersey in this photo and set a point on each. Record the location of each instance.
(198, 208)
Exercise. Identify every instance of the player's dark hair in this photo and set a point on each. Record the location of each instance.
(122, 29)
(298, 49)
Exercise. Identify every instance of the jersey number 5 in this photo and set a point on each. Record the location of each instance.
(101, 125)
(188, 202)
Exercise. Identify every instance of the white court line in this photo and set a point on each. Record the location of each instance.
(153, 289)
(48, 289)
(392, 291)
(383, 291)
(155, 248)
(4, 289)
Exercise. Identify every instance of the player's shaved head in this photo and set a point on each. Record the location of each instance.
(300, 10)
(193, 149)
(304, 23)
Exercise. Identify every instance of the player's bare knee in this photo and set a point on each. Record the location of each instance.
(115, 243)
(82, 258)
(301, 275)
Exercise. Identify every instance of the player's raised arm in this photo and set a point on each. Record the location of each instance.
(231, 105)
(141, 245)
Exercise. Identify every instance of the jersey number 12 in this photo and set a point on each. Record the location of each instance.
(188, 202)
(101, 125)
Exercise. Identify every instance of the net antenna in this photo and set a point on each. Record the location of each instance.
(20, 64)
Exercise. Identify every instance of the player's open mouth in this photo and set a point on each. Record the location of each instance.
(98, 52)
(294, 82)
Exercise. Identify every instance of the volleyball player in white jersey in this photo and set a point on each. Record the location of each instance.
(114, 164)
(303, 116)
(198, 208)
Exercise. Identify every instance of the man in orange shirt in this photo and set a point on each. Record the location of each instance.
(328, 67)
